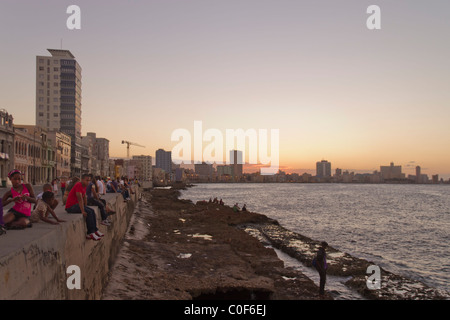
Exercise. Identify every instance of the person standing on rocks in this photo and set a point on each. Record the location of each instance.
(320, 262)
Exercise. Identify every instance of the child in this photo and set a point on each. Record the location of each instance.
(47, 187)
(23, 196)
(43, 208)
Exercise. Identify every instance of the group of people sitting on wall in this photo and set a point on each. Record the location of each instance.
(235, 207)
(77, 195)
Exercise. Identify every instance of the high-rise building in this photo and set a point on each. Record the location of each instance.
(58, 98)
(237, 164)
(418, 174)
(392, 172)
(164, 160)
(323, 169)
(103, 155)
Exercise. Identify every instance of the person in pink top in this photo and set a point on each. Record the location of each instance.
(23, 196)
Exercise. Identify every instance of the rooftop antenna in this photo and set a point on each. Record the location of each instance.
(61, 43)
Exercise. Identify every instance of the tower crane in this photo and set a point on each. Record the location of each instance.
(128, 146)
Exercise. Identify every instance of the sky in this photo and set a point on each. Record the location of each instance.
(334, 89)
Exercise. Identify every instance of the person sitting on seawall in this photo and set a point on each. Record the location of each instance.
(94, 200)
(100, 185)
(244, 208)
(109, 186)
(77, 203)
(18, 217)
(70, 185)
(115, 186)
(47, 187)
(127, 186)
(43, 208)
(124, 190)
(236, 208)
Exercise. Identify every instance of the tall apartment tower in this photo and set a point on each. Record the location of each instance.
(323, 169)
(237, 163)
(418, 174)
(58, 98)
(164, 160)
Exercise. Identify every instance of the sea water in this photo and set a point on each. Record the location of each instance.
(402, 228)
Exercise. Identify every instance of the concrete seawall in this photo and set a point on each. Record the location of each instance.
(34, 261)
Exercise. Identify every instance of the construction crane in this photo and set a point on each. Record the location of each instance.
(128, 146)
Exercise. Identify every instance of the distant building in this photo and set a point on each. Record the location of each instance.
(58, 98)
(180, 175)
(435, 178)
(38, 160)
(164, 160)
(323, 169)
(62, 145)
(237, 163)
(392, 172)
(146, 173)
(418, 174)
(224, 170)
(7, 146)
(102, 146)
(204, 171)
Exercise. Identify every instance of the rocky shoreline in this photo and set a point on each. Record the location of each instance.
(179, 250)
(393, 287)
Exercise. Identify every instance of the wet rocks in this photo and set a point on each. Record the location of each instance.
(393, 287)
(196, 251)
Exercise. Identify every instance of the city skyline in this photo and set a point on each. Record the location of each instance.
(335, 90)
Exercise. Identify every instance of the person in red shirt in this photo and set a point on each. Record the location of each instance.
(77, 203)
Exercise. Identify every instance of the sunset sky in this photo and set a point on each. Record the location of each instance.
(358, 98)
